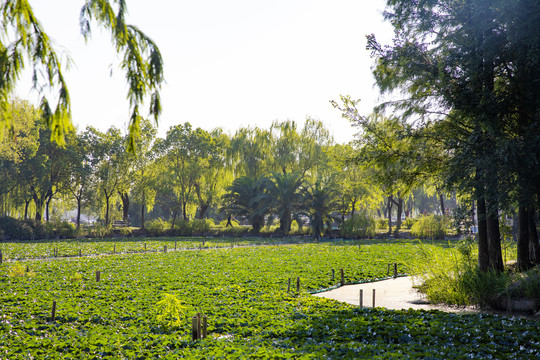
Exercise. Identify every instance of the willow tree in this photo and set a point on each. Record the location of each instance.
(23, 36)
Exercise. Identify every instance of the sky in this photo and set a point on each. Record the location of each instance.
(228, 64)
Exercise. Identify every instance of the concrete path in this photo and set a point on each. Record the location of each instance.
(394, 294)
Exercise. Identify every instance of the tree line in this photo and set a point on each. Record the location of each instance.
(282, 174)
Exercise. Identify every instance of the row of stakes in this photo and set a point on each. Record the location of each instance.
(55, 250)
(342, 283)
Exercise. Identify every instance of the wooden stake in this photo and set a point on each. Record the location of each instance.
(373, 298)
(388, 270)
(164, 248)
(204, 327)
(199, 331)
(144, 246)
(114, 249)
(194, 335)
(289, 286)
(27, 269)
(53, 313)
(1, 257)
(361, 300)
(80, 252)
(175, 246)
(333, 275)
(342, 277)
(98, 276)
(298, 284)
(395, 270)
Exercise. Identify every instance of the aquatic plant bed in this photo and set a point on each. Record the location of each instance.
(243, 293)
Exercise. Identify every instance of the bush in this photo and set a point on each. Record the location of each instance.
(199, 226)
(382, 223)
(431, 226)
(18, 229)
(360, 225)
(408, 223)
(156, 226)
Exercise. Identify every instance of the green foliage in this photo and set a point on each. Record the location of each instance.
(76, 277)
(430, 226)
(360, 225)
(462, 218)
(250, 314)
(169, 311)
(381, 223)
(16, 270)
(157, 226)
(408, 223)
(21, 229)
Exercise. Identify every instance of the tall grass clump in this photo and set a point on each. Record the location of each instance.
(430, 226)
(451, 276)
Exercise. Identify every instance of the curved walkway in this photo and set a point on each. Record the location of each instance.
(396, 294)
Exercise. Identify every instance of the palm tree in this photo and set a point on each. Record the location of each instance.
(283, 194)
(243, 199)
(320, 201)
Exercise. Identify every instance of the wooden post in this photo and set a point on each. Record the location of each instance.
(80, 252)
(1, 257)
(114, 249)
(342, 277)
(199, 330)
(373, 300)
(144, 246)
(204, 326)
(164, 248)
(395, 270)
(53, 313)
(175, 246)
(298, 284)
(98, 276)
(194, 335)
(388, 270)
(361, 300)
(289, 286)
(27, 269)
(333, 276)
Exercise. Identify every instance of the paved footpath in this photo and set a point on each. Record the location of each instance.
(394, 294)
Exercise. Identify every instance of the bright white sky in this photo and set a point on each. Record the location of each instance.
(228, 64)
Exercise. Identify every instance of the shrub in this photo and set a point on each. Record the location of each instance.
(199, 226)
(360, 225)
(408, 223)
(431, 226)
(156, 226)
(17, 229)
(382, 223)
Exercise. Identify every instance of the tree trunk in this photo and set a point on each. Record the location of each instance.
(353, 208)
(143, 201)
(441, 200)
(79, 205)
(184, 209)
(174, 217)
(389, 212)
(534, 245)
(494, 242)
(483, 255)
(125, 205)
(107, 210)
(26, 205)
(202, 210)
(523, 239)
(399, 212)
